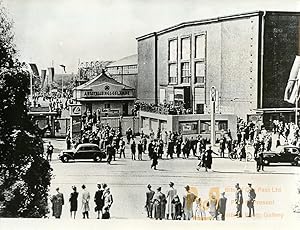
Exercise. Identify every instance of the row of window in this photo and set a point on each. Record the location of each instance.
(185, 72)
(132, 69)
(185, 59)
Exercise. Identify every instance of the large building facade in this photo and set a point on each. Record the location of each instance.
(246, 57)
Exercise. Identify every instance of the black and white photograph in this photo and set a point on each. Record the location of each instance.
(149, 114)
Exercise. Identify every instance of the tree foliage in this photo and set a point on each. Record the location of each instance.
(24, 173)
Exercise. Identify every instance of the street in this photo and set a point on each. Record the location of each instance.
(275, 187)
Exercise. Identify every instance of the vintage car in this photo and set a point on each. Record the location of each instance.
(82, 152)
(283, 154)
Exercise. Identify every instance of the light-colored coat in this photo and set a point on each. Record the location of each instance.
(85, 201)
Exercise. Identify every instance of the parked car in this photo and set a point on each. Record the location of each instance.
(83, 151)
(283, 154)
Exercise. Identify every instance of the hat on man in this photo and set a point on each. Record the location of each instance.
(187, 187)
(249, 184)
(171, 184)
(149, 186)
(159, 189)
(237, 185)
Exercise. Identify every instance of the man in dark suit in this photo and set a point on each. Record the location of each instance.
(221, 209)
(238, 200)
(149, 204)
(251, 199)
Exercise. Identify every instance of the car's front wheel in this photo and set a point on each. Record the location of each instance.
(65, 159)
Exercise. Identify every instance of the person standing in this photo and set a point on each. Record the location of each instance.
(149, 204)
(154, 158)
(170, 149)
(140, 151)
(57, 201)
(200, 210)
(68, 142)
(221, 209)
(144, 142)
(50, 149)
(98, 199)
(188, 200)
(250, 200)
(212, 205)
(128, 135)
(122, 148)
(207, 158)
(151, 149)
(73, 202)
(159, 204)
(260, 162)
(133, 149)
(108, 199)
(110, 152)
(238, 200)
(85, 202)
(172, 192)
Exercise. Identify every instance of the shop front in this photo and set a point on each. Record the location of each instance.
(106, 97)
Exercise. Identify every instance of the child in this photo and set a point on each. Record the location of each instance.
(106, 214)
(178, 207)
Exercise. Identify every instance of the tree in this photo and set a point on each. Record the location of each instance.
(25, 174)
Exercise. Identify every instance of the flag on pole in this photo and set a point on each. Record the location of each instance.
(64, 68)
(34, 69)
(292, 87)
(51, 73)
(43, 76)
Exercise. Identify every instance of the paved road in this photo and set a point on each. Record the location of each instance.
(276, 187)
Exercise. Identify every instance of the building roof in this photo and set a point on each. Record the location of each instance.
(213, 20)
(129, 60)
(103, 77)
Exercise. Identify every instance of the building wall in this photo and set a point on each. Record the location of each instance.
(116, 107)
(153, 121)
(145, 86)
(124, 74)
(126, 79)
(231, 64)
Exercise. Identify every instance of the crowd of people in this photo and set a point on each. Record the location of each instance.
(169, 206)
(162, 108)
(103, 200)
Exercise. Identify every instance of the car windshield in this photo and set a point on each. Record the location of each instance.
(86, 148)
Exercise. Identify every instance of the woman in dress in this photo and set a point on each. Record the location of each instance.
(99, 200)
(73, 202)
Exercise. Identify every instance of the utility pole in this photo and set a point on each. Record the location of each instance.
(212, 115)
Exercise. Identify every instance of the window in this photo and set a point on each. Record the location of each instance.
(199, 72)
(185, 72)
(200, 46)
(173, 73)
(173, 50)
(223, 125)
(188, 127)
(186, 48)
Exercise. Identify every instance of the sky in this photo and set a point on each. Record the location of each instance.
(68, 31)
